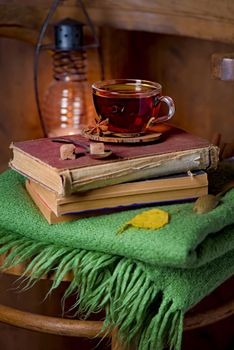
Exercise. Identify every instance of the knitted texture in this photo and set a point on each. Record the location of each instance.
(144, 279)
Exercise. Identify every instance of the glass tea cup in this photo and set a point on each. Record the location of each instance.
(130, 106)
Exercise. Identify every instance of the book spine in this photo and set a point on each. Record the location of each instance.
(131, 201)
(140, 168)
(165, 184)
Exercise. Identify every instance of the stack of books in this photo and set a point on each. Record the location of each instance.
(170, 170)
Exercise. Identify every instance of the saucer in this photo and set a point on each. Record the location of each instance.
(117, 138)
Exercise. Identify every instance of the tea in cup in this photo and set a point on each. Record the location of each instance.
(131, 106)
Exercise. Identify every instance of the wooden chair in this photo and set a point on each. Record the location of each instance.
(194, 319)
(78, 328)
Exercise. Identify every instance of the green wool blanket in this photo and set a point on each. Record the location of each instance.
(144, 279)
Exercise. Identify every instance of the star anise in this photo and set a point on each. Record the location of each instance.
(99, 128)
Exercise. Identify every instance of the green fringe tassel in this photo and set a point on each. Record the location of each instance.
(133, 303)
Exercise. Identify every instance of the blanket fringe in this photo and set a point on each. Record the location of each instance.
(134, 304)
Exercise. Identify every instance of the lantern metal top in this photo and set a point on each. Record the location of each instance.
(68, 34)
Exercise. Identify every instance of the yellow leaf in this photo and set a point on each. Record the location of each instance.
(150, 219)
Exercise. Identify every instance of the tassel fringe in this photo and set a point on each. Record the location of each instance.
(133, 303)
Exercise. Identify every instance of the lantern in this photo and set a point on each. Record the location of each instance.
(67, 105)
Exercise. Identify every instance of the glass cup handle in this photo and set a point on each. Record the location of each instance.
(171, 111)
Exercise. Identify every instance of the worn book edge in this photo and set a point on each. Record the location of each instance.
(47, 213)
(66, 182)
(194, 187)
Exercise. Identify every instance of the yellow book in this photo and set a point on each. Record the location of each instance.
(132, 194)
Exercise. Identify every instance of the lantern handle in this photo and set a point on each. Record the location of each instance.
(95, 38)
(36, 59)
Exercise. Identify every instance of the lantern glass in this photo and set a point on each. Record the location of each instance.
(67, 107)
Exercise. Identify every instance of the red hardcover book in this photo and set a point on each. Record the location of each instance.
(176, 152)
